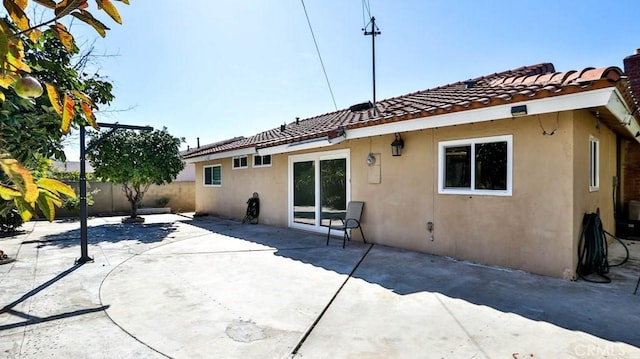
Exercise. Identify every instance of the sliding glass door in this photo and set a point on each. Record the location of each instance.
(318, 188)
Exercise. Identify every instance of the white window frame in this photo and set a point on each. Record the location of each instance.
(594, 164)
(204, 177)
(262, 161)
(239, 158)
(472, 142)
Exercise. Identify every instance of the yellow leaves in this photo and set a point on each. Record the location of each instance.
(86, 17)
(20, 177)
(22, 4)
(88, 114)
(8, 193)
(61, 33)
(17, 14)
(4, 44)
(54, 98)
(25, 193)
(46, 3)
(49, 196)
(68, 111)
(56, 187)
(7, 80)
(65, 7)
(34, 35)
(110, 9)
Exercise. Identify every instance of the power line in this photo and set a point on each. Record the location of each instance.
(365, 6)
(319, 56)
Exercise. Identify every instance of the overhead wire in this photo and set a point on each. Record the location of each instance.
(319, 55)
(365, 6)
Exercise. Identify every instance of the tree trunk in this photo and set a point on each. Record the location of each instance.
(134, 209)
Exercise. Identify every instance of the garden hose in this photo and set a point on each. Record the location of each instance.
(593, 250)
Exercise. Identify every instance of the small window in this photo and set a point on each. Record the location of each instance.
(213, 175)
(262, 161)
(240, 162)
(594, 164)
(476, 166)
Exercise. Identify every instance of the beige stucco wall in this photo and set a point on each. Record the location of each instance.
(535, 229)
(238, 185)
(109, 197)
(586, 201)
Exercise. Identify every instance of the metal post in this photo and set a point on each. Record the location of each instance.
(84, 242)
(84, 251)
(373, 34)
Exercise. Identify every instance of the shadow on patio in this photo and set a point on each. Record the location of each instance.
(609, 311)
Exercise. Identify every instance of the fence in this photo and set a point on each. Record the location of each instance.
(109, 198)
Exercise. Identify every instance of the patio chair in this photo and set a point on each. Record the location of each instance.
(351, 221)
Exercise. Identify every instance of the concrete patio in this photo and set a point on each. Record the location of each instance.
(180, 287)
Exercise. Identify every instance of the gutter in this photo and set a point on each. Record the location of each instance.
(226, 154)
(320, 142)
(618, 107)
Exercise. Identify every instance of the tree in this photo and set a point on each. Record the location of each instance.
(136, 160)
(18, 37)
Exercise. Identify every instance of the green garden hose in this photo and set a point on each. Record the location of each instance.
(593, 250)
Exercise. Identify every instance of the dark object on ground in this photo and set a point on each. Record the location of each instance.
(10, 222)
(133, 220)
(253, 209)
(4, 259)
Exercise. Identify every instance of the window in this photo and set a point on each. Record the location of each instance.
(262, 161)
(212, 175)
(594, 164)
(240, 162)
(476, 166)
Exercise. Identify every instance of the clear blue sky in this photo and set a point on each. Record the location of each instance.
(225, 68)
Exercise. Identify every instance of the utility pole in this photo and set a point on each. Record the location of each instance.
(84, 242)
(374, 31)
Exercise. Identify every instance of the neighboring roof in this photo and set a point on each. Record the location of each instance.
(517, 85)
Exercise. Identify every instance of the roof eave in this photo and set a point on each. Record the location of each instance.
(574, 101)
(226, 154)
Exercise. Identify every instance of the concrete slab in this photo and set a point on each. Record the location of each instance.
(184, 288)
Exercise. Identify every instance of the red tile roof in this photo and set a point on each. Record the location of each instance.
(521, 84)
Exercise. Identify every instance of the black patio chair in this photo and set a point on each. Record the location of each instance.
(351, 221)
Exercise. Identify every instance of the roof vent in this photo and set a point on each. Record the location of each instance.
(361, 106)
(469, 84)
(297, 120)
(283, 127)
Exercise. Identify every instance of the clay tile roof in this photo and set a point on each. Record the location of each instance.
(520, 84)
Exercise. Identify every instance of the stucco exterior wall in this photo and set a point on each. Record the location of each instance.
(238, 185)
(535, 229)
(586, 201)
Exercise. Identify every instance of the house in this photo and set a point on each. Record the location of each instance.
(498, 170)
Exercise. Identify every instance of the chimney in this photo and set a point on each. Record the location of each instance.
(632, 70)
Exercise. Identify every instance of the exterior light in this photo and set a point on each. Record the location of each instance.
(397, 145)
(519, 110)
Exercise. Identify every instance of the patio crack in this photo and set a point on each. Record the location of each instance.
(324, 310)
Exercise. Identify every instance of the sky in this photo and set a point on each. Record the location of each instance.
(218, 69)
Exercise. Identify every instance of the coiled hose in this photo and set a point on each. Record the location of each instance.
(593, 249)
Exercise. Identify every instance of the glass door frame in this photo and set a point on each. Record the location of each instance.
(316, 157)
